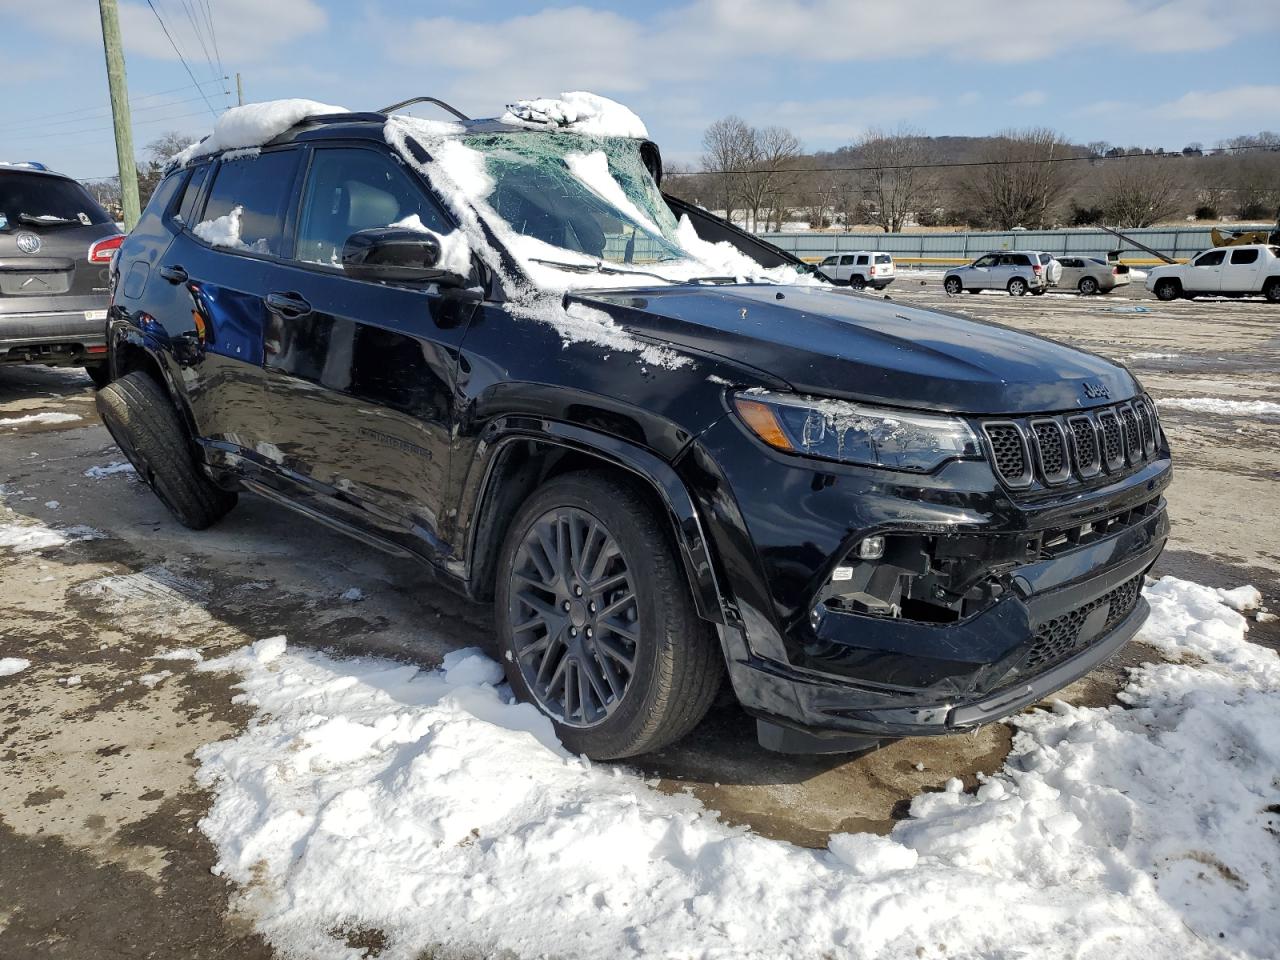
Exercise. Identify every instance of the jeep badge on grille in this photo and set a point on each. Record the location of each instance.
(1096, 391)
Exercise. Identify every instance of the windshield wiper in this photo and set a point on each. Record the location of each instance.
(44, 220)
(600, 267)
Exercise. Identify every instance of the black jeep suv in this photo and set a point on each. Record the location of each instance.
(498, 348)
(55, 246)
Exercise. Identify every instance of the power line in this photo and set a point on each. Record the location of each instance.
(43, 127)
(69, 133)
(185, 65)
(966, 163)
(40, 119)
(213, 37)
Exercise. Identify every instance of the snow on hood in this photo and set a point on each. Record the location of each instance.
(579, 112)
(254, 124)
(428, 805)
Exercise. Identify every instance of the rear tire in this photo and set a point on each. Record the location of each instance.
(142, 420)
(953, 285)
(99, 373)
(594, 544)
(1017, 287)
(1271, 290)
(1167, 290)
(1088, 286)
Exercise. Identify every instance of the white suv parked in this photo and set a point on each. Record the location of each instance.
(1229, 271)
(862, 268)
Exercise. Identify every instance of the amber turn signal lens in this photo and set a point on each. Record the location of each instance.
(760, 418)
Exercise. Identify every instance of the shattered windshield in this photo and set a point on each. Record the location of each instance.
(588, 195)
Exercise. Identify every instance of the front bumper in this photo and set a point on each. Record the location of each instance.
(54, 337)
(826, 678)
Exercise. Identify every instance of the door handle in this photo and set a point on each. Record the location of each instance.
(174, 273)
(288, 304)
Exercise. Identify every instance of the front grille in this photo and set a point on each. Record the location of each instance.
(1060, 638)
(1008, 451)
(1052, 450)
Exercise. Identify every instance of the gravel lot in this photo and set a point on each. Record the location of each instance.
(99, 848)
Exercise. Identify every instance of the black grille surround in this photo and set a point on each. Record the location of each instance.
(1055, 450)
(1059, 638)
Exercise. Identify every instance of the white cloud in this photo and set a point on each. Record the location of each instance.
(833, 122)
(1259, 104)
(248, 30)
(1032, 98)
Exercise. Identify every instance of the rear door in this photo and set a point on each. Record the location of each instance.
(1240, 271)
(1204, 274)
(361, 374)
(219, 266)
(47, 225)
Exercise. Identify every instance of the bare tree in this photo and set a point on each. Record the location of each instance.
(728, 147)
(898, 184)
(774, 151)
(1020, 183)
(1139, 193)
(159, 152)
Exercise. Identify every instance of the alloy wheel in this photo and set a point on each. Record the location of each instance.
(575, 617)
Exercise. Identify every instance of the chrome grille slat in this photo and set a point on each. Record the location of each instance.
(1056, 449)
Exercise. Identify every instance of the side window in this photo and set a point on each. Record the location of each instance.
(1211, 259)
(191, 193)
(846, 261)
(830, 261)
(1019, 260)
(1244, 256)
(247, 203)
(990, 260)
(352, 189)
(863, 260)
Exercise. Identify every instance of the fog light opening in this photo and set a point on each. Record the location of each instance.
(871, 548)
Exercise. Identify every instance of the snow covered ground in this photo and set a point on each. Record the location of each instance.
(370, 795)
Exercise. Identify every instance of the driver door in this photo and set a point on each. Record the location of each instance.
(980, 274)
(361, 374)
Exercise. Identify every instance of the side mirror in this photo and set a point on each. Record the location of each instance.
(396, 254)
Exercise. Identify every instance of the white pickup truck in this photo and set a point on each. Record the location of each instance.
(1250, 268)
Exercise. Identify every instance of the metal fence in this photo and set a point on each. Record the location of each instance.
(950, 248)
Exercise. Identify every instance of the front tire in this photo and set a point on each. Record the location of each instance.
(595, 622)
(1088, 286)
(1017, 287)
(144, 424)
(858, 283)
(1167, 290)
(952, 285)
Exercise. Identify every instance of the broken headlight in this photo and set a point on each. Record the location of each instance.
(855, 433)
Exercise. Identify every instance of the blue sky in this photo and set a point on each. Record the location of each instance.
(1144, 72)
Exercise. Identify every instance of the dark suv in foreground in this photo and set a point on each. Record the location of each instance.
(55, 246)
(498, 348)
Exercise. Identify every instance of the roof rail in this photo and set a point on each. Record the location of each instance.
(439, 103)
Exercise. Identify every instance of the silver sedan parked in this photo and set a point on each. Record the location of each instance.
(1091, 275)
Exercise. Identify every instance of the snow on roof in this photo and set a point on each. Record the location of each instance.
(254, 124)
(579, 112)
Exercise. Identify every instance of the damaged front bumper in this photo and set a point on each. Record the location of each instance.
(953, 626)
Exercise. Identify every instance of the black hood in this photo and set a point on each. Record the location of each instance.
(834, 343)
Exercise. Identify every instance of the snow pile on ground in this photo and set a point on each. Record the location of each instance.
(370, 794)
(29, 537)
(455, 252)
(254, 124)
(579, 112)
(97, 473)
(1226, 408)
(11, 665)
(44, 417)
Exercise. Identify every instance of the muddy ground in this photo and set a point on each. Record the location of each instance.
(100, 853)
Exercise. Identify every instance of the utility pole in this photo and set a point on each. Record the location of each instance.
(119, 87)
(239, 90)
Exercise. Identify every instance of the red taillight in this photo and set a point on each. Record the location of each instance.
(100, 251)
(1115, 271)
(873, 271)
(1037, 269)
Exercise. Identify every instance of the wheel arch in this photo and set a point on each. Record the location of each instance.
(524, 455)
(130, 350)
